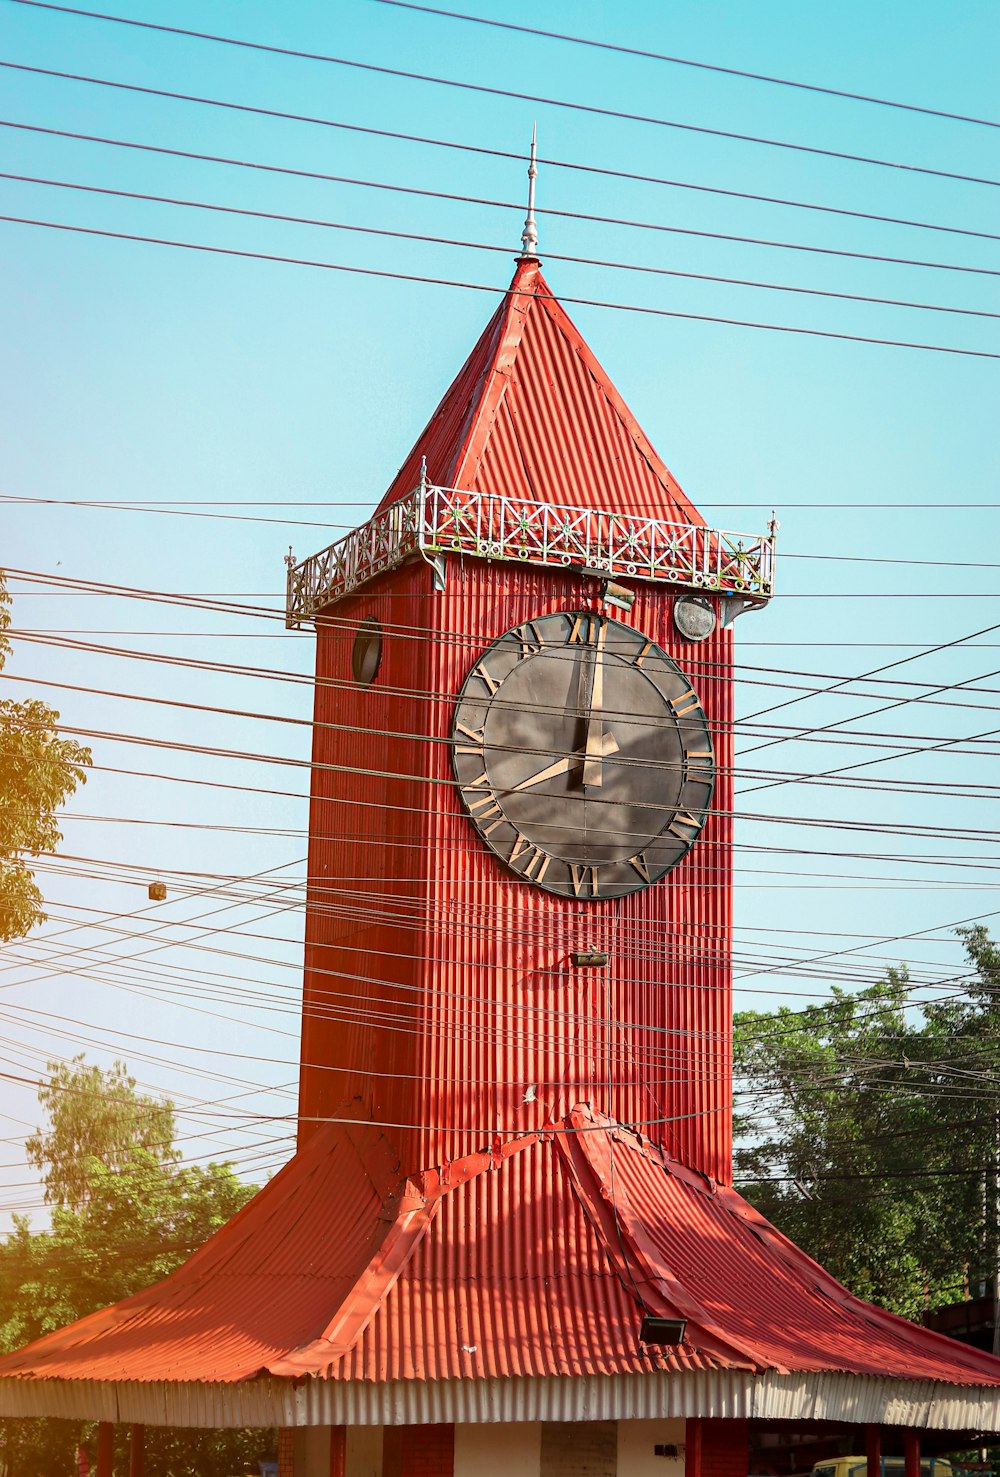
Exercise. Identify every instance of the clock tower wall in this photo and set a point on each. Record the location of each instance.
(366, 972)
(441, 996)
(516, 1032)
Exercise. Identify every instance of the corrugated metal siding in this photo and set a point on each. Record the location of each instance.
(920, 1405)
(364, 1001)
(562, 434)
(444, 1018)
(532, 414)
(743, 1277)
(537, 1266)
(512, 1011)
(268, 1281)
(448, 429)
(438, 986)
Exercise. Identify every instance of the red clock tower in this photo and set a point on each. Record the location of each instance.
(508, 1241)
(463, 979)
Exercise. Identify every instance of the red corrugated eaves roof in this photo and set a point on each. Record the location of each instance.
(535, 1258)
(532, 414)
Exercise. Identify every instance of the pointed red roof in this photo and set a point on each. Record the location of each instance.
(537, 1258)
(532, 414)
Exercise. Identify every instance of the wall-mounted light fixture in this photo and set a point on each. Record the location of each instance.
(662, 1330)
(611, 592)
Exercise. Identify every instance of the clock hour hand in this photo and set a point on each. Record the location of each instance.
(593, 753)
(606, 746)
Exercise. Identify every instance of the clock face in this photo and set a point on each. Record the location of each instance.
(583, 755)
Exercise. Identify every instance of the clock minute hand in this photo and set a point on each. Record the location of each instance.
(592, 767)
(606, 746)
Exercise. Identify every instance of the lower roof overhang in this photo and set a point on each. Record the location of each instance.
(717, 1394)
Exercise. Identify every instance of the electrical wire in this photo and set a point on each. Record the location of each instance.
(481, 87)
(299, 220)
(456, 198)
(284, 260)
(506, 154)
(679, 61)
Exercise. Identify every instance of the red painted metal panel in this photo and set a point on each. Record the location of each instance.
(537, 1259)
(439, 987)
(533, 414)
(439, 990)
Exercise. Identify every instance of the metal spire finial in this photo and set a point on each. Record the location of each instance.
(529, 236)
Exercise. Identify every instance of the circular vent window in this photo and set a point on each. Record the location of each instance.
(366, 656)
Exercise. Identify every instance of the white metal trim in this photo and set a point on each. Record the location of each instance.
(438, 521)
(719, 1394)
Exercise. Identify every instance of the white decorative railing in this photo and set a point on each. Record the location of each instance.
(437, 521)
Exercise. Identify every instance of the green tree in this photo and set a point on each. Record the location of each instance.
(125, 1216)
(95, 1118)
(38, 772)
(868, 1133)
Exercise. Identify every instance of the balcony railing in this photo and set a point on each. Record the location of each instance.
(437, 521)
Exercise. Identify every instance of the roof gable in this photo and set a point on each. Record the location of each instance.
(532, 414)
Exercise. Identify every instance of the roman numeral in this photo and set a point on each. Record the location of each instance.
(480, 798)
(531, 642)
(644, 653)
(698, 766)
(686, 703)
(483, 806)
(683, 823)
(584, 880)
(640, 865)
(534, 863)
(584, 629)
(478, 735)
(486, 676)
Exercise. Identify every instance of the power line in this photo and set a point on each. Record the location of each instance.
(480, 87)
(397, 1016)
(679, 61)
(876, 671)
(484, 287)
(621, 717)
(415, 138)
(331, 901)
(763, 676)
(422, 193)
(899, 828)
(120, 505)
(368, 503)
(673, 272)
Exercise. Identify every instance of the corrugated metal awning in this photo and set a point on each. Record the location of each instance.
(514, 1280)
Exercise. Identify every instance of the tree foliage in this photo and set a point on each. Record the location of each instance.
(96, 1119)
(39, 770)
(124, 1216)
(872, 1141)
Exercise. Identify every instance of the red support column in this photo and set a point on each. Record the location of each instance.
(428, 1451)
(873, 1450)
(911, 1454)
(724, 1448)
(418, 1451)
(392, 1449)
(286, 1451)
(137, 1451)
(338, 1451)
(105, 1448)
(692, 1448)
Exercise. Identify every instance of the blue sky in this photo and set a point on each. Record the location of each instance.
(137, 372)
